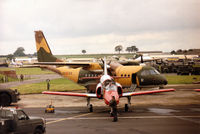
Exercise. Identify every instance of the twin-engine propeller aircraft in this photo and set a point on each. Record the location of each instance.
(108, 90)
(84, 73)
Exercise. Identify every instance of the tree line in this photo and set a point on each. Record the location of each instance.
(119, 48)
(19, 53)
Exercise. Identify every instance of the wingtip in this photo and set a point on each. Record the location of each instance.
(197, 90)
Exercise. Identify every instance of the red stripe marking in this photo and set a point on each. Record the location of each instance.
(198, 90)
(154, 91)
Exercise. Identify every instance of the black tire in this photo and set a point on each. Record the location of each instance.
(91, 108)
(38, 131)
(5, 99)
(126, 108)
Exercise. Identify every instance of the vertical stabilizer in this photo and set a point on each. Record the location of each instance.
(43, 51)
(105, 67)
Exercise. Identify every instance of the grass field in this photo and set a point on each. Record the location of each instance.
(182, 79)
(61, 84)
(27, 71)
(9, 79)
(24, 71)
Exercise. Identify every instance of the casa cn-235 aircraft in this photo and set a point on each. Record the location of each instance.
(108, 90)
(84, 73)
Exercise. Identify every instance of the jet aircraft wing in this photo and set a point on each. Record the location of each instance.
(198, 90)
(89, 95)
(127, 94)
(93, 95)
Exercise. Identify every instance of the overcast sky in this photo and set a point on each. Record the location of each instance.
(99, 25)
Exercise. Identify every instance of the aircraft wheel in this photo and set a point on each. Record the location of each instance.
(91, 108)
(126, 108)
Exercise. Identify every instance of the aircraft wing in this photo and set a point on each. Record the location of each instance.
(198, 90)
(146, 92)
(71, 64)
(89, 95)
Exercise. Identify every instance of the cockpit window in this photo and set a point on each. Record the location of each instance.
(145, 72)
(156, 71)
(111, 87)
(149, 72)
(107, 82)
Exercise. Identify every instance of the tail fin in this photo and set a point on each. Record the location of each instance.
(43, 51)
(105, 67)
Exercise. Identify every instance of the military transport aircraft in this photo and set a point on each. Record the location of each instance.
(108, 90)
(84, 73)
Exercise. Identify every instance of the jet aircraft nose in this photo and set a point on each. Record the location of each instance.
(109, 95)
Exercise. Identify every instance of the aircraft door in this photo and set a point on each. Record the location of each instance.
(134, 81)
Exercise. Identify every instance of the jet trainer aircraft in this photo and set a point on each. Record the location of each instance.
(85, 73)
(108, 90)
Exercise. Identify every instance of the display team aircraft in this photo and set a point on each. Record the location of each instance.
(84, 73)
(108, 90)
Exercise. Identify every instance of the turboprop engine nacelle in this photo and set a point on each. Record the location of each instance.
(119, 89)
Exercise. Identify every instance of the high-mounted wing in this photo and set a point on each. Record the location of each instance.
(146, 92)
(64, 64)
(89, 95)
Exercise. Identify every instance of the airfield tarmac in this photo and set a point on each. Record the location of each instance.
(173, 112)
(141, 120)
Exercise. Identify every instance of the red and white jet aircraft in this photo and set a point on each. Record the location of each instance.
(110, 91)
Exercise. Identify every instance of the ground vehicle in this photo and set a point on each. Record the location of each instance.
(15, 121)
(50, 109)
(7, 96)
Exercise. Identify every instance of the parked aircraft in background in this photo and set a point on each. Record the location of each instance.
(22, 61)
(110, 91)
(83, 73)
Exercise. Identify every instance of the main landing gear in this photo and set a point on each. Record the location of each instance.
(90, 107)
(127, 106)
